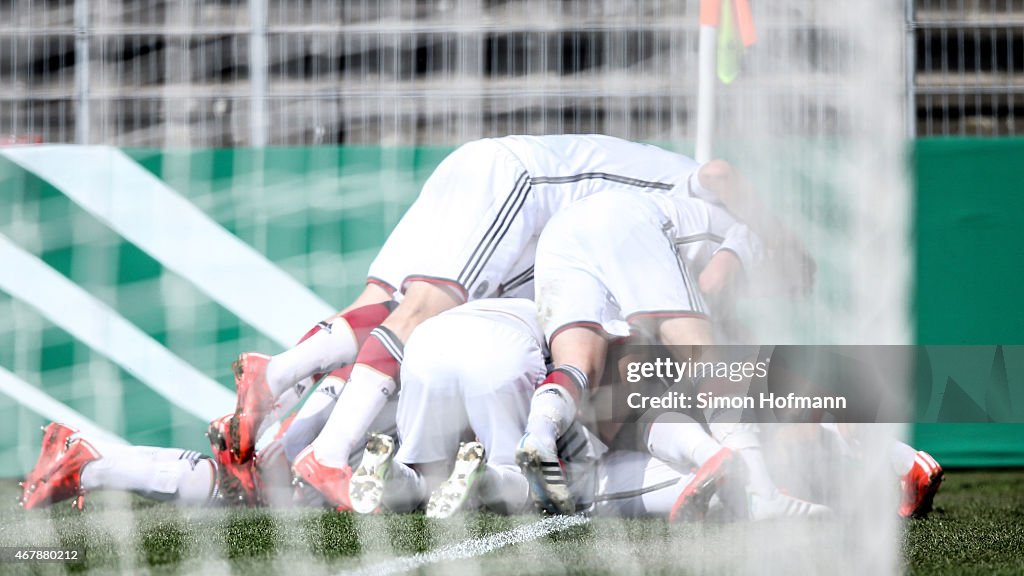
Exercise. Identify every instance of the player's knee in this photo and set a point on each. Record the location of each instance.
(373, 293)
(686, 332)
(423, 300)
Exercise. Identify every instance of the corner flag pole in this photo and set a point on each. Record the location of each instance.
(706, 58)
(726, 28)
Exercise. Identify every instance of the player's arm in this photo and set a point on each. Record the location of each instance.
(788, 252)
(739, 196)
(740, 249)
(720, 273)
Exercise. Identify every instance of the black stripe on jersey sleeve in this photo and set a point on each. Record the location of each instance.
(617, 178)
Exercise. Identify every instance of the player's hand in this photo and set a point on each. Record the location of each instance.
(717, 277)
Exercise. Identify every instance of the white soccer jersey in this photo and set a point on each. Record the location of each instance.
(700, 229)
(618, 256)
(566, 168)
(472, 227)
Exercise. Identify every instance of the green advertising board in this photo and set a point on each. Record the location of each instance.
(319, 214)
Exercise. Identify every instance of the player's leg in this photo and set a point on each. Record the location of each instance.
(166, 474)
(743, 438)
(312, 416)
(686, 331)
(328, 345)
(70, 467)
(497, 380)
(315, 486)
(678, 439)
(588, 278)
(578, 314)
(634, 484)
(431, 410)
(919, 473)
(273, 462)
(758, 496)
(275, 469)
(919, 482)
(477, 231)
(263, 382)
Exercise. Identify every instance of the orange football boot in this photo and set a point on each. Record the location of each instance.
(332, 482)
(692, 503)
(919, 486)
(62, 478)
(255, 401)
(239, 480)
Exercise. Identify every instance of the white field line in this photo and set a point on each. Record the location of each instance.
(45, 405)
(472, 548)
(147, 212)
(77, 312)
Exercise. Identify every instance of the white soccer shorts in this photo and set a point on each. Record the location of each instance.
(469, 369)
(607, 260)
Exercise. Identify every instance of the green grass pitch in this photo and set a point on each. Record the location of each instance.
(977, 528)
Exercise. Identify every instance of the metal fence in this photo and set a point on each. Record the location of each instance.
(968, 72)
(176, 73)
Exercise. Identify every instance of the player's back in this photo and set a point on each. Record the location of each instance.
(567, 167)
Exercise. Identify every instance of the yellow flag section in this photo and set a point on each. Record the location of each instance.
(726, 30)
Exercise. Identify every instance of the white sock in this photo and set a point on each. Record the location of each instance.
(126, 467)
(901, 456)
(158, 473)
(679, 442)
(504, 486)
(831, 431)
(742, 439)
(661, 500)
(552, 410)
(195, 484)
(358, 405)
(405, 489)
(282, 407)
(758, 479)
(326, 350)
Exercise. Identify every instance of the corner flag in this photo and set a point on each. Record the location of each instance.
(736, 32)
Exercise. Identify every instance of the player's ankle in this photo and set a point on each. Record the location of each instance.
(552, 411)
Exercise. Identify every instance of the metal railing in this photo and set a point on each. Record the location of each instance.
(968, 74)
(176, 73)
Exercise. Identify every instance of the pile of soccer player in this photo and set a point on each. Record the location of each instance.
(470, 372)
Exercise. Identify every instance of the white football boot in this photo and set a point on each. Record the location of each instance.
(548, 485)
(366, 488)
(453, 493)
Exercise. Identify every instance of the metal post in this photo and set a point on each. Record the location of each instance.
(82, 71)
(705, 92)
(258, 73)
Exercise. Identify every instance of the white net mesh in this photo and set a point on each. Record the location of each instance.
(816, 120)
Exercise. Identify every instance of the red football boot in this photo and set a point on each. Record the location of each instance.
(919, 486)
(692, 503)
(255, 401)
(62, 478)
(238, 480)
(55, 441)
(332, 482)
